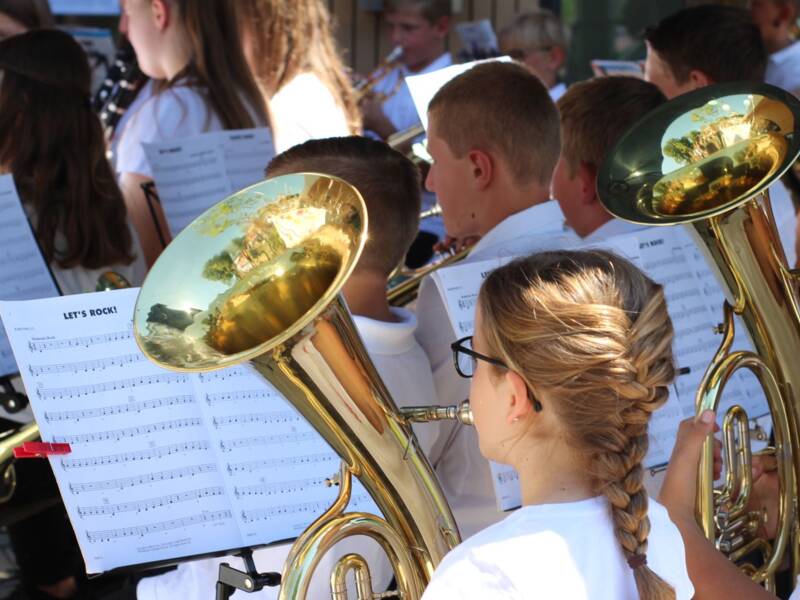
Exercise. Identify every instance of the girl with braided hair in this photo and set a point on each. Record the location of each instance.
(572, 354)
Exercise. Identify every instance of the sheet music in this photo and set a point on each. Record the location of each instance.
(24, 274)
(84, 7)
(192, 174)
(163, 464)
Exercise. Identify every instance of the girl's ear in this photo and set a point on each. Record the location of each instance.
(162, 12)
(520, 405)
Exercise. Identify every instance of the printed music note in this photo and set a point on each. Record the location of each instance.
(284, 487)
(261, 418)
(240, 395)
(128, 432)
(135, 456)
(88, 365)
(117, 409)
(142, 530)
(266, 440)
(83, 341)
(252, 466)
(126, 482)
(109, 386)
(146, 505)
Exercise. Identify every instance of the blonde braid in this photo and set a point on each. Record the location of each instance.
(594, 332)
(618, 463)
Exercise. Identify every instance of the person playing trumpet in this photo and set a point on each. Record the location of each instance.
(419, 29)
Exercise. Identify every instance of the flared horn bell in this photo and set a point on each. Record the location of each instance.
(701, 154)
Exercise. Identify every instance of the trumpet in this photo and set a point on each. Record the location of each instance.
(706, 160)
(387, 65)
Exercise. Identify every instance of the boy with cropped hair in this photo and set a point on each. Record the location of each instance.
(594, 116)
(701, 45)
(493, 133)
(419, 28)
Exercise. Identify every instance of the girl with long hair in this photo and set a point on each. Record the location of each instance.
(293, 55)
(52, 143)
(572, 354)
(192, 51)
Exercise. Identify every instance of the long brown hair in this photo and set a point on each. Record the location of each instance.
(53, 145)
(594, 332)
(217, 63)
(290, 38)
(32, 14)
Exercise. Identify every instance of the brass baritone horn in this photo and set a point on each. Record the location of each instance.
(706, 159)
(266, 289)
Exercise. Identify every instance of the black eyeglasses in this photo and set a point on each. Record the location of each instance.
(464, 357)
(465, 360)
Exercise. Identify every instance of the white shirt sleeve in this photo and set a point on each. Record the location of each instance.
(175, 113)
(464, 577)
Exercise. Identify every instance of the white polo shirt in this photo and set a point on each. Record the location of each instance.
(399, 107)
(783, 68)
(463, 472)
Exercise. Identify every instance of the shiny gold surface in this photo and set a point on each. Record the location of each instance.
(257, 278)
(706, 159)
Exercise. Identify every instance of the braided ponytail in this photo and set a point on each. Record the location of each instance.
(594, 332)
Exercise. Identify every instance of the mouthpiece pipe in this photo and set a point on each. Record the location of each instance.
(424, 414)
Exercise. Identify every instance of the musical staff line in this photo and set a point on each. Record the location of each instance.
(150, 504)
(261, 514)
(126, 482)
(263, 418)
(215, 398)
(142, 530)
(507, 476)
(251, 466)
(117, 409)
(281, 487)
(223, 374)
(87, 365)
(109, 386)
(264, 440)
(84, 341)
(134, 456)
(118, 434)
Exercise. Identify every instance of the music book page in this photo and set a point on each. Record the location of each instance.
(163, 465)
(192, 174)
(24, 274)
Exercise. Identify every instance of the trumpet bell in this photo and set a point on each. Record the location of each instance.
(701, 155)
(251, 272)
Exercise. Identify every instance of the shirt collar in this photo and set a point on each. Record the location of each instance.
(545, 217)
(383, 337)
(781, 56)
(445, 60)
(612, 228)
(557, 91)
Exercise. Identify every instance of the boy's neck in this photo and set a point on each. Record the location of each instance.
(780, 43)
(507, 200)
(423, 64)
(365, 293)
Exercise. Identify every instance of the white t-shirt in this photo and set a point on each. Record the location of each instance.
(558, 551)
(399, 107)
(783, 68)
(405, 370)
(177, 112)
(464, 473)
(305, 109)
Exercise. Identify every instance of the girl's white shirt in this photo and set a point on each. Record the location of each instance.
(305, 109)
(177, 112)
(558, 551)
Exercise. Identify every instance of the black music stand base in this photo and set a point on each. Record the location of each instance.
(231, 579)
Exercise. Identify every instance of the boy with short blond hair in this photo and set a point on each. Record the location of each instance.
(494, 136)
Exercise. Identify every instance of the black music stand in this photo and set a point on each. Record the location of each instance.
(151, 195)
(231, 579)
